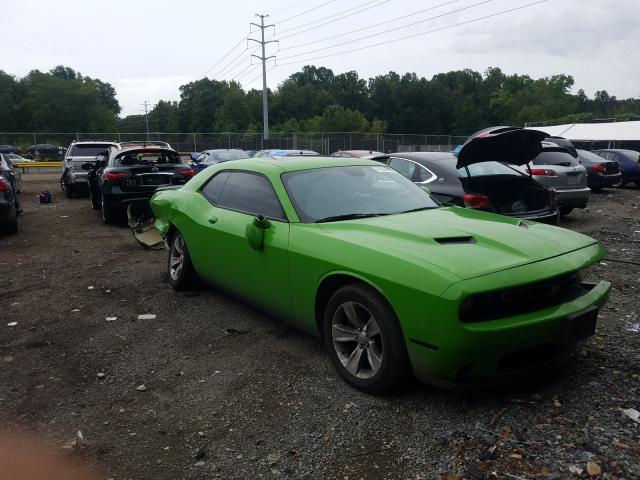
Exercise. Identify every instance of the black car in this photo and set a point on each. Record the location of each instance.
(628, 160)
(44, 150)
(10, 149)
(472, 180)
(602, 173)
(129, 175)
(9, 203)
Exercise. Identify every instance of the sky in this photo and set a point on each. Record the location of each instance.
(147, 48)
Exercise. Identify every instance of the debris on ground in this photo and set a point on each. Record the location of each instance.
(147, 316)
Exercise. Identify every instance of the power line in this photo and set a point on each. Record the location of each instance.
(278, 12)
(401, 27)
(363, 28)
(332, 16)
(244, 72)
(258, 77)
(306, 11)
(416, 34)
(226, 55)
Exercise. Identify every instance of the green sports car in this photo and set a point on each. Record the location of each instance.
(395, 283)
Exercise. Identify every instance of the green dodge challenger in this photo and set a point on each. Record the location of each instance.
(395, 283)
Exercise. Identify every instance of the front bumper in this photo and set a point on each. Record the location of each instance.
(446, 351)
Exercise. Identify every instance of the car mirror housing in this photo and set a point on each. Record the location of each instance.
(87, 166)
(255, 232)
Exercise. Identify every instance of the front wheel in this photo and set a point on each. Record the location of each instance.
(364, 340)
(181, 273)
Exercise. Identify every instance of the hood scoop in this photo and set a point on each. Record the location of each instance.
(456, 240)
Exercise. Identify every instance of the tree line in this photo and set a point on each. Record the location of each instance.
(314, 99)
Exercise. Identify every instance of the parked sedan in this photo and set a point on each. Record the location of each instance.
(10, 184)
(15, 158)
(481, 184)
(10, 149)
(211, 157)
(357, 154)
(356, 253)
(629, 161)
(286, 153)
(601, 173)
(557, 169)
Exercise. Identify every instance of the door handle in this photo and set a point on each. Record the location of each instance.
(213, 219)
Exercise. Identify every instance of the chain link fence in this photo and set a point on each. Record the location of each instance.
(324, 143)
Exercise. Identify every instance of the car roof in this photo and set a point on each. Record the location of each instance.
(215, 150)
(93, 142)
(293, 164)
(424, 156)
(150, 148)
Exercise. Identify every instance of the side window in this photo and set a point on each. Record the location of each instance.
(252, 194)
(407, 169)
(424, 175)
(213, 188)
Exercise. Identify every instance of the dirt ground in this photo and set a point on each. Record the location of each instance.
(211, 388)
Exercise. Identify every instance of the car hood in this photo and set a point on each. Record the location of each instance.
(501, 144)
(463, 242)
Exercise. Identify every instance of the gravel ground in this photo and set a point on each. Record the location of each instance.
(211, 388)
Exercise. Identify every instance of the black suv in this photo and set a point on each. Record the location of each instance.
(129, 173)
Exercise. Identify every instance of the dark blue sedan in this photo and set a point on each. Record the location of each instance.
(629, 161)
(211, 157)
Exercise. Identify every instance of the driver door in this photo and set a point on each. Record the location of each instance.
(235, 200)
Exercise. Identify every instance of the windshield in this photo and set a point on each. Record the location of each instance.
(482, 169)
(559, 158)
(147, 157)
(592, 157)
(227, 155)
(88, 150)
(325, 193)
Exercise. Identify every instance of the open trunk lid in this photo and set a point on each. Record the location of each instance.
(501, 144)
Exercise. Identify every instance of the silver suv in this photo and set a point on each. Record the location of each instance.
(74, 177)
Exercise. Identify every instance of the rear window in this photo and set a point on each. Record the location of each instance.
(147, 157)
(482, 169)
(561, 159)
(88, 150)
(226, 156)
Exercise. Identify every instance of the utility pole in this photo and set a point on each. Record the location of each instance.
(146, 117)
(263, 58)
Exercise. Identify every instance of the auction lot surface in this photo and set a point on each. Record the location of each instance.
(232, 393)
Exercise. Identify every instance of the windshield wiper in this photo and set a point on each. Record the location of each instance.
(418, 209)
(350, 216)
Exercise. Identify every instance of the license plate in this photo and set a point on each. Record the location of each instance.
(156, 180)
(573, 180)
(129, 183)
(581, 325)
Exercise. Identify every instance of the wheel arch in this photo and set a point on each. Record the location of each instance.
(333, 282)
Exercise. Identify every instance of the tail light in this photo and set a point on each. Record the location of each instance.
(4, 187)
(599, 168)
(112, 177)
(187, 173)
(476, 200)
(541, 172)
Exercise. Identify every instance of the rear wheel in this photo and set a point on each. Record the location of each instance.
(564, 211)
(109, 214)
(596, 189)
(364, 340)
(95, 202)
(182, 276)
(11, 227)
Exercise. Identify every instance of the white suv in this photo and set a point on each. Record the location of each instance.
(74, 177)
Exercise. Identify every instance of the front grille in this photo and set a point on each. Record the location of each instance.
(521, 300)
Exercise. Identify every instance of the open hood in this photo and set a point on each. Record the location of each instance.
(501, 144)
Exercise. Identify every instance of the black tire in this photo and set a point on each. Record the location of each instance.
(185, 277)
(10, 228)
(596, 189)
(564, 211)
(109, 214)
(393, 364)
(95, 202)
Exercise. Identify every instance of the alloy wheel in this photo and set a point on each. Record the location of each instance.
(176, 258)
(357, 340)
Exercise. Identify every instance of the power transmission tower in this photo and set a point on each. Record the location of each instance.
(263, 58)
(146, 117)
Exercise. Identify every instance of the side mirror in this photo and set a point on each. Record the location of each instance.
(426, 189)
(87, 166)
(255, 232)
